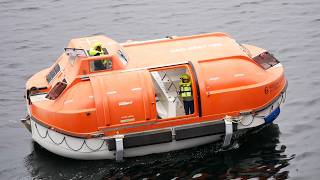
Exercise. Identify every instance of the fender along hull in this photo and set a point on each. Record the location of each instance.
(140, 144)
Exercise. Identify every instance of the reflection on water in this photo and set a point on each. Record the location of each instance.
(258, 155)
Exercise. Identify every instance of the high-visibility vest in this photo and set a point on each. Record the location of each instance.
(185, 89)
(93, 52)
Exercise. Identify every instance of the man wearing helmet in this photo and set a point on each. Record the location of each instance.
(97, 50)
(186, 93)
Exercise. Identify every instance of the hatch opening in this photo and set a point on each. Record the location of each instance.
(169, 102)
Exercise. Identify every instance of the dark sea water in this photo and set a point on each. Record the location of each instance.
(33, 33)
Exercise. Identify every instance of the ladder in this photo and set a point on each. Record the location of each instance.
(171, 99)
(160, 81)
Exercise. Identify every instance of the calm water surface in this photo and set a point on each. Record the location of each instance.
(33, 34)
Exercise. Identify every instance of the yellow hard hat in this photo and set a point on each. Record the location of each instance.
(97, 44)
(184, 76)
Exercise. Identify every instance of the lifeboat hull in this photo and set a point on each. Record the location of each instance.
(97, 148)
(100, 148)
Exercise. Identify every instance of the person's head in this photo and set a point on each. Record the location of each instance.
(185, 78)
(98, 46)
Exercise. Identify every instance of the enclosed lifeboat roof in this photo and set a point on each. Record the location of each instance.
(168, 50)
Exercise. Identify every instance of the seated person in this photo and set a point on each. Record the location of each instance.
(102, 64)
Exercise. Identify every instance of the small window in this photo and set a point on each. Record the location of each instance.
(73, 53)
(122, 57)
(53, 73)
(99, 65)
(266, 60)
(57, 90)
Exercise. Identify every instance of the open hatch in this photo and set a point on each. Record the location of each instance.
(169, 103)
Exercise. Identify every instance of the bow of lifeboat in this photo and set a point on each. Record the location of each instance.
(131, 107)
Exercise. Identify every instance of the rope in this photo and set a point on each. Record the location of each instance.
(54, 141)
(75, 149)
(94, 149)
(39, 132)
(64, 139)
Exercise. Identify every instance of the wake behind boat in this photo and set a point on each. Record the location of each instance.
(107, 100)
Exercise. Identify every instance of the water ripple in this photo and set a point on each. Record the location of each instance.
(29, 9)
(127, 5)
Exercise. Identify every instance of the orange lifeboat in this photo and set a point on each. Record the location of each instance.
(133, 106)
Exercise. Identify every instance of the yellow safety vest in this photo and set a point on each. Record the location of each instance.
(93, 52)
(185, 89)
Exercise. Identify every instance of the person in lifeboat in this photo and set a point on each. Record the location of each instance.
(97, 50)
(186, 93)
